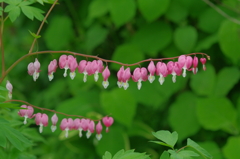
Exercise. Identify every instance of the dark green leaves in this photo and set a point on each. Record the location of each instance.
(169, 139)
(122, 11)
(199, 149)
(231, 149)
(32, 12)
(152, 9)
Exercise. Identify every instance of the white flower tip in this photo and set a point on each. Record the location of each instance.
(88, 134)
(50, 77)
(120, 84)
(96, 77)
(41, 128)
(105, 84)
(161, 80)
(151, 78)
(125, 85)
(10, 95)
(80, 133)
(53, 128)
(99, 136)
(66, 133)
(139, 85)
(72, 75)
(85, 78)
(174, 78)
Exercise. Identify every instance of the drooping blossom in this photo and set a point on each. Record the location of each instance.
(91, 127)
(34, 69)
(195, 65)
(26, 113)
(174, 69)
(54, 122)
(203, 61)
(52, 67)
(105, 74)
(107, 121)
(99, 130)
(97, 67)
(84, 123)
(67, 124)
(85, 68)
(184, 62)
(123, 77)
(139, 75)
(152, 70)
(78, 126)
(41, 120)
(68, 62)
(9, 88)
(162, 71)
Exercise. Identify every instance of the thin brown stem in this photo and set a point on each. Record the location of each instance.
(45, 109)
(1, 42)
(91, 56)
(182, 148)
(40, 27)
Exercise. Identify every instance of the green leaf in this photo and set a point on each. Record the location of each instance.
(229, 40)
(212, 148)
(206, 43)
(152, 38)
(176, 11)
(40, 1)
(10, 105)
(223, 87)
(231, 149)
(203, 83)
(175, 155)
(186, 154)
(130, 154)
(98, 8)
(3, 139)
(32, 12)
(95, 36)
(34, 35)
(185, 105)
(123, 111)
(3, 97)
(3, 88)
(185, 38)
(217, 113)
(210, 20)
(107, 155)
(14, 11)
(112, 141)
(126, 53)
(161, 143)
(167, 137)
(165, 155)
(153, 9)
(198, 148)
(56, 37)
(122, 11)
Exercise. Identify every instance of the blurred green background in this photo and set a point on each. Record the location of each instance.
(204, 107)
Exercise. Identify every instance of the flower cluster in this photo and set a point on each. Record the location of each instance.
(67, 124)
(185, 63)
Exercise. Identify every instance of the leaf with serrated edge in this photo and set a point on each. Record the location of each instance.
(165, 155)
(198, 148)
(107, 155)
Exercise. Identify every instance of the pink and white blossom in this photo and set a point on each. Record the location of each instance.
(162, 71)
(99, 130)
(123, 77)
(34, 69)
(139, 75)
(107, 121)
(68, 62)
(9, 88)
(67, 124)
(195, 65)
(174, 69)
(152, 70)
(52, 67)
(91, 127)
(41, 120)
(54, 122)
(26, 113)
(78, 126)
(203, 61)
(184, 62)
(105, 74)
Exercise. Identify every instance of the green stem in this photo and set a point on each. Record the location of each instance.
(40, 27)
(182, 148)
(90, 56)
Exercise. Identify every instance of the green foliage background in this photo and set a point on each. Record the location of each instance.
(205, 106)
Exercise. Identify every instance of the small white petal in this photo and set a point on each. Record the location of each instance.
(125, 85)
(66, 132)
(96, 77)
(80, 132)
(41, 128)
(139, 84)
(65, 72)
(120, 84)
(105, 84)
(184, 73)
(151, 78)
(72, 75)
(50, 77)
(174, 78)
(88, 134)
(53, 128)
(161, 79)
(99, 136)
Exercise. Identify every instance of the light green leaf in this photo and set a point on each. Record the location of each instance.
(3, 97)
(206, 43)
(3, 139)
(185, 38)
(229, 40)
(198, 148)
(122, 11)
(231, 149)
(176, 11)
(203, 83)
(210, 20)
(56, 37)
(34, 35)
(167, 137)
(3, 88)
(32, 12)
(126, 53)
(165, 155)
(223, 87)
(217, 113)
(161, 143)
(153, 37)
(95, 36)
(185, 105)
(153, 9)
(107, 155)
(213, 148)
(186, 154)
(98, 8)
(14, 11)
(118, 109)
(40, 1)
(10, 105)
(175, 155)
(130, 154)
